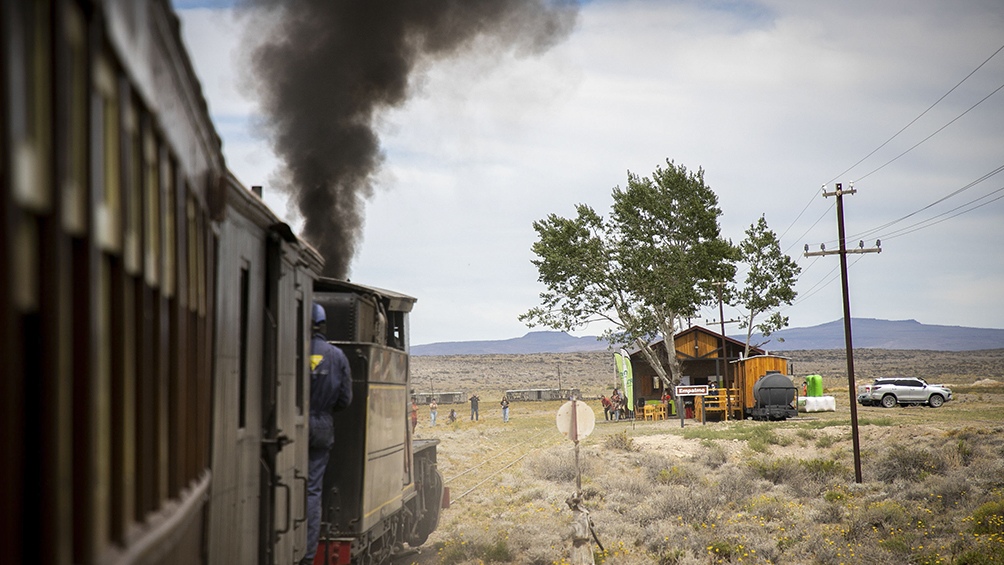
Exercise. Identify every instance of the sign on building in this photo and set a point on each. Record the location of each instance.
(691, 390)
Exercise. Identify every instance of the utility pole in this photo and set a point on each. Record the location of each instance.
(721, 317)
(843, 251)
(724, 357)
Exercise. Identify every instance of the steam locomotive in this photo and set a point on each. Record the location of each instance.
(154, 324)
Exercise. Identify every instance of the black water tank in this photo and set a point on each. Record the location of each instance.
(774, 389)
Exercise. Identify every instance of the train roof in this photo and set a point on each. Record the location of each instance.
(397, 302)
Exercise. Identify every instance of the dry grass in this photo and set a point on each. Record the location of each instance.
(732, 492)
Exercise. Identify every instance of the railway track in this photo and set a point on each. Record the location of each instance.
(466, 481)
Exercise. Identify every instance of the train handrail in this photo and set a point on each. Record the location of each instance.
(297, 475)
(289, 512)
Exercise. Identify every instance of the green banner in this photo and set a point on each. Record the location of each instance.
(623, 362)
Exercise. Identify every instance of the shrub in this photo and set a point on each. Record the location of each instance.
(785, 470)
(828, 513)
(761, 437)
(822, 469)
(825, 441)
(989, 518)
(676, 475)
(908, 463)
(713, 455)
(558, 467)
(621, 440)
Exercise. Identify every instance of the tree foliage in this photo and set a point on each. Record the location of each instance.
(769, 283)
(648, 265)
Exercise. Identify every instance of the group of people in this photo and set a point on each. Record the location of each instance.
(433, 413)
(475, 401)
(615, 406)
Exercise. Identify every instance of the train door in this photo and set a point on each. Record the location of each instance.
(237, 425)
(282, 531)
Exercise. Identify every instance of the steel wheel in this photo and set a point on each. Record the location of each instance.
(888, 401)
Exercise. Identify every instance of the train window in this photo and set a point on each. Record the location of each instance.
(192, 270)
(200, 249)
(151, 219)
(26, 263)
(31, 103)
(301, 361)
(244, 328)
(74, 184)
(169, 227)
(132, 188)
(106, 172)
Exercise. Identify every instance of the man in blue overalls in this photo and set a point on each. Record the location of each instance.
(330, 390)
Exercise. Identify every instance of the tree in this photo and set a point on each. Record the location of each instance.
(769, 282)
(649, 265)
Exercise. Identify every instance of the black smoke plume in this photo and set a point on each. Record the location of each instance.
(323, 70)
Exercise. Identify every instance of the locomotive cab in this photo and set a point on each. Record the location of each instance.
(381, 489)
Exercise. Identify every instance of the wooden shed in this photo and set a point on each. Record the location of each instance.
(702, 361)
(748, 371)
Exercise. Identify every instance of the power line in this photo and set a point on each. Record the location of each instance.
(936, 102)
(819, 219)
(930, 221)
(894, 136)
(931, 205)
(937, 131)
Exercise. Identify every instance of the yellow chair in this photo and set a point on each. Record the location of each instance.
(649, 412)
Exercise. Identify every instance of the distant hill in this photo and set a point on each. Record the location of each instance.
(533, 342)
(868, 333)
(883, 334)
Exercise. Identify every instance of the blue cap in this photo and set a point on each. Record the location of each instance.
(317, 316)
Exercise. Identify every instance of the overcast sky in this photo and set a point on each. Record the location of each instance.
(773, 99)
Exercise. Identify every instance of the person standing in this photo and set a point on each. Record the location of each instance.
(433, 410)
(330, 391)
(474, 407)
(505, 409)
(414, 415)
(606, 407)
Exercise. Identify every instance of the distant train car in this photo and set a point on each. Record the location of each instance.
(440, 397)
(541, 394)
(392, 492)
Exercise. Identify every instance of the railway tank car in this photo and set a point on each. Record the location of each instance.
(764, 387)
(153, 319)
(394, 494)
(774, 398)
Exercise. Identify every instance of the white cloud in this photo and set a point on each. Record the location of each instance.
(771, 99)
